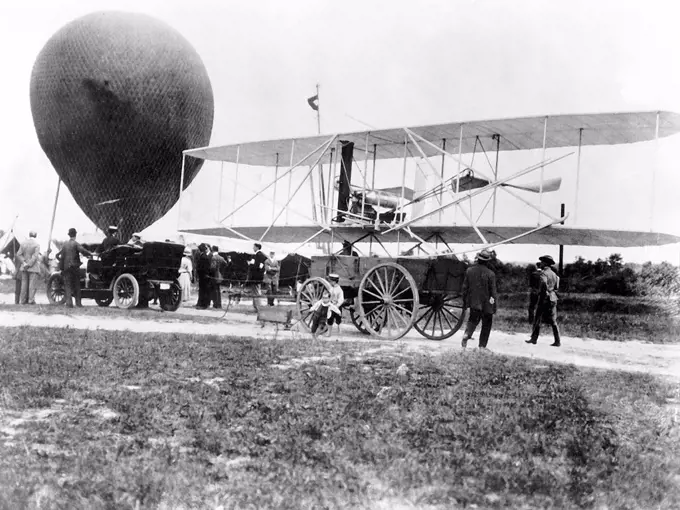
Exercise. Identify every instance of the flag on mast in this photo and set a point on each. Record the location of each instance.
(313, 102)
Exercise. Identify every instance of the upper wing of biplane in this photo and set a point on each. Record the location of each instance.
(553, 235)
(502, 134)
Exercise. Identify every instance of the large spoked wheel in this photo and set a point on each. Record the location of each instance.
(309, 294)
(104, 301)
(126, 291)
(56, 291)
(440, 315)
(171, 299)
(388, 301)
(355, 316)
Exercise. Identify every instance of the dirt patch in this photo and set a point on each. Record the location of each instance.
(634, 356)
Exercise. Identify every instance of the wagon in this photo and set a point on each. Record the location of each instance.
(386, 297)
(128, 276)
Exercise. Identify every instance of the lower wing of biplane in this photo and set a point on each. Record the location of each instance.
(344, 206)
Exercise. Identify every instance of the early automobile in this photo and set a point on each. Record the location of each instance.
(128, 276)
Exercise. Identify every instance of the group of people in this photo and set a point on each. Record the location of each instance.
(29, 265)
(479, 284)
(210, 268)
(480, 298)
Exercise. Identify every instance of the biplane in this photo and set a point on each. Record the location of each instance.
(392, 294)
(346, 204)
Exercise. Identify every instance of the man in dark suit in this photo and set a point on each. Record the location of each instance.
(479, 296)
(69, 256)
(110, 241)
(203, 274)
(217, 267)
(256, 271)
(534, 288)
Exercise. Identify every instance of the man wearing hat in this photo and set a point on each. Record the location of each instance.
(110, 241)
(29, 254)
(256, 268)
(217, 267)
(272, 268)
(546, 309)
(534, 276)
(479, 296)
(136, 240)
(69, 257)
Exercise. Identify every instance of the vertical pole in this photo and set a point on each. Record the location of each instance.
(54, 214)
(442, 176)
(656, 164)
(578, 172)
(276, 180)
(363, 195)
(311, 189)
(333, 179)
(329, 205)
(238, 155)
(495, 176)
(561, 263)
(323, 212)
(219, 193)
(290, 175)
(540, 191)
(403, 184)
(318, 110)
(375, 156)
(460, 162)
(181, 188)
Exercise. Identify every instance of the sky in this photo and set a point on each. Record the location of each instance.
(388, 64)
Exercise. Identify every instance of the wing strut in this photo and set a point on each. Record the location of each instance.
(482, 190)
(491, 181)
(292, 196)
(323, 146)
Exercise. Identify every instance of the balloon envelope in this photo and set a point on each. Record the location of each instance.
(116, 97)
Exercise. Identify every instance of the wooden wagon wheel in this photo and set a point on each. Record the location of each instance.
(388, 301)
(355, 316)
(440, 315)
(310, 293)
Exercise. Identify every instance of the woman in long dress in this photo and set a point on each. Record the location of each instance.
(186, 269)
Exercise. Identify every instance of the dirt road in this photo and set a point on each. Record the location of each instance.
(631, 356)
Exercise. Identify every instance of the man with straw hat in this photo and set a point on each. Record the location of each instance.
(546, 310)
(479, 296)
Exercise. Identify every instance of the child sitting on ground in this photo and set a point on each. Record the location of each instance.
(324, 313)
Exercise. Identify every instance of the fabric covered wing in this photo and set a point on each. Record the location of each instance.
(554, 235)
(515, 134)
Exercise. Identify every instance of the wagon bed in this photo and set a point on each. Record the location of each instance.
(386, 297)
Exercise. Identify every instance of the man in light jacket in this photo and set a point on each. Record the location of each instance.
(29, 254)
(546, 310)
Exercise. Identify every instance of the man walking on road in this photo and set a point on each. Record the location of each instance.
(479, 296)
(546, 310)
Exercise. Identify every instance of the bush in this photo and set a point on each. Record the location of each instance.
(623, 282)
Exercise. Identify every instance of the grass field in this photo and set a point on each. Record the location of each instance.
(121, 420)
(600, 316)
